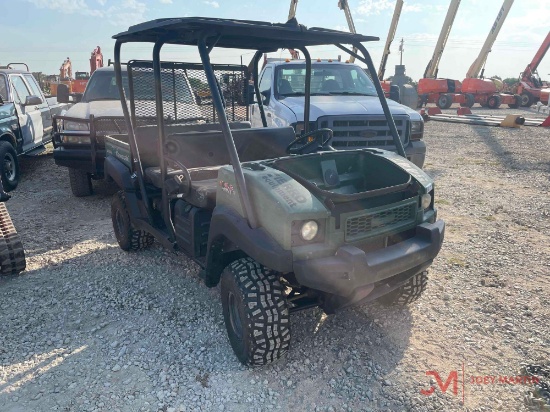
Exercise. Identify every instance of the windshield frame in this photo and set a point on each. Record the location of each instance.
(324, 65)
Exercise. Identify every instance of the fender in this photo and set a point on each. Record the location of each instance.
(117, 171)
(230, 232)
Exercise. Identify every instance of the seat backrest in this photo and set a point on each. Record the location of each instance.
(285, 87)
(330, 85)
(208, 149)
(147, 137)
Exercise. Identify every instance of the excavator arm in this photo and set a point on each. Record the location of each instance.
(391, 36)
(343, 5)
(477, 68)
(433, 65)
(532, 67)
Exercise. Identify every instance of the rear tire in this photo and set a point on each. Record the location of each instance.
(408, 293)
(444, 101)
(12, 254)
(128, 237)
(470, 100)
(527, 99)
(493, 102)
(81, 182)
(9, 166)
(256, 312)
(517, 103)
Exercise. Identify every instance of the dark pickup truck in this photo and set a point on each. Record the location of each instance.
(25, 121)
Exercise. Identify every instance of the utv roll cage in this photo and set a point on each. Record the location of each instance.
(206, 34)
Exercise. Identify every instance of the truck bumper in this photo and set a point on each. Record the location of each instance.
(80, 159)
(416, 153)
(353, 273)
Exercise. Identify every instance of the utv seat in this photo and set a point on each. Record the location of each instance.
(205, 153)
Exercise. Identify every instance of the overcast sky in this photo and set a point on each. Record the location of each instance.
(44, 32)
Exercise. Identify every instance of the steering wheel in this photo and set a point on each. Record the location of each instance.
(181, 183)
(308, 140)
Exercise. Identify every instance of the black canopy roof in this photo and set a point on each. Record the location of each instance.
(239, 34)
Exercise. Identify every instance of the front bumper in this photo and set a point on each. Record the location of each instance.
(352, 269)
(416, 152)
(80, 158)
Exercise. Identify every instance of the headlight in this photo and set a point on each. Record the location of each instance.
(417, 129)
(75, 139)
(309, 230)
(76, 126)
(425, 201)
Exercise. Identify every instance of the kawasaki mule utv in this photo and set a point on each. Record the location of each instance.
(284, 222)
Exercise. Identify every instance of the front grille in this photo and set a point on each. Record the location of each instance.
(355, 132)
(371, 224)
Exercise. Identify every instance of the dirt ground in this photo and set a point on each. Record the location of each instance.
(89, 327)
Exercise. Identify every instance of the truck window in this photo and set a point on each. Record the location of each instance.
(3, 87)
(325, 79)
(21, 90)
(32, 83)
(265, 82)
(102, 86)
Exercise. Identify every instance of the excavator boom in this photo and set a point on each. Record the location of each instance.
(343, 4)
(391, 36)
(532, 67)
(477, 67)
(433, 65)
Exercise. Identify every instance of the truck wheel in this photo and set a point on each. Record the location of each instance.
(128, 237)
(470, 100)
(493, 102)
(12, 254)
(81, 182)
(409, 292)
(527, 99)
(517, 102)
(9, 166)
(256, 312)
(445, 101)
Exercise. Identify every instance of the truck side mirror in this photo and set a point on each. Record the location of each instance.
(250, 94)
(395, 93)
(266, 94)
(32, 101)
(63, 93)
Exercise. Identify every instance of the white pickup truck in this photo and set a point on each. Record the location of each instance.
(25, 121)
(343, 98)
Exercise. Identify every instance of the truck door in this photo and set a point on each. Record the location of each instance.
(30, 118)
(44, 108)
(266, 88)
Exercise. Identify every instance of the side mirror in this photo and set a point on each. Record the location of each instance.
(33, 101)
(266, 94)
(63, 93)
(395, 93)
(77, 97)
(250, 94)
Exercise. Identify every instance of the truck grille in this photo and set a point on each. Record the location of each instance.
(355, 132)
(371, 224)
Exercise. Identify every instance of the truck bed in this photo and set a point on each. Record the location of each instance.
(116, 145)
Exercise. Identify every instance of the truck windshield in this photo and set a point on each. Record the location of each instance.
(326, 79)
(102, 86)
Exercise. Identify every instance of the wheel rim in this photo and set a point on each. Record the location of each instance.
(119, 220)
(234, 316)
(524, 100)
(9, 167)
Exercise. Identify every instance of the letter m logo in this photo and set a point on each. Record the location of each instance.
(452, 378)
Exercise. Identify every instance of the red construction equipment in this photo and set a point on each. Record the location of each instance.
(529, 85)
(443, 92)
(484, 91)
(78, 84)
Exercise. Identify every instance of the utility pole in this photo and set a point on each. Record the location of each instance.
(401, 50)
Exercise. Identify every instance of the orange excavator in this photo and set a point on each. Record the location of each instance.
(442, 91)
(78, 84)
(484, 91)
(530, 85)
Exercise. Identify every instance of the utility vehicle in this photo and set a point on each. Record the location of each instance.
(284, 223)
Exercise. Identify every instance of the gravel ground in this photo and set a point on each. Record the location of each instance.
(89, 327)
